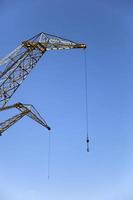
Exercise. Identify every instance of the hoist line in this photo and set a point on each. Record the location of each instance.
(86, 99)
(49, 155)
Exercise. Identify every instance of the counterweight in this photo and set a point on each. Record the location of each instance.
(16, 66)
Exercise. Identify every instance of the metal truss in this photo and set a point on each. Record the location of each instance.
(16, 66)
(25, 110)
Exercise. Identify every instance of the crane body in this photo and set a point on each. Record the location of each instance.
(17, 65)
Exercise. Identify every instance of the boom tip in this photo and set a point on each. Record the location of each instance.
(48, 128)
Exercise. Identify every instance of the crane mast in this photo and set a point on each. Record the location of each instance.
(16, 66)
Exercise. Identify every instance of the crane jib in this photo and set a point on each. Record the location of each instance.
(16, 66)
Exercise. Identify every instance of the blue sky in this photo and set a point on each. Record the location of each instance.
(56, 89)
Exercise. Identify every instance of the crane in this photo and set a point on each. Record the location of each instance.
(15, 67)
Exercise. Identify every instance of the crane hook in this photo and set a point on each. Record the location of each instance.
(87, 141)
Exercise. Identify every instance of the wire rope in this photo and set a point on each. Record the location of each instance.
(86, 100)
